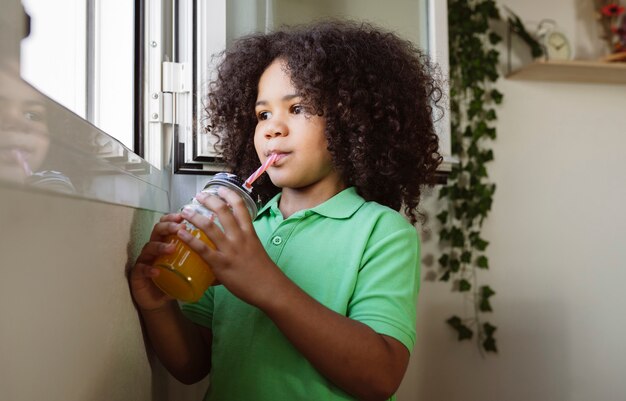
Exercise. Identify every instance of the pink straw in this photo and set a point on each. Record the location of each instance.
(270, 160)
(22, 161)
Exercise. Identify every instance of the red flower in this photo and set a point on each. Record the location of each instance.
(618, 31)
(612, 10)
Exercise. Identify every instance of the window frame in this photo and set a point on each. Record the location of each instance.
(191, 147)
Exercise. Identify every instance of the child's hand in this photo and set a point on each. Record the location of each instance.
(239, 261)
(145, 293)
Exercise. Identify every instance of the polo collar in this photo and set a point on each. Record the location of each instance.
(340, 206)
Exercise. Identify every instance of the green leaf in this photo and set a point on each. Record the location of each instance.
(489, 9)
(482, 262)
(443, 260)
(478, 92)
(481, 171)
(464, 285)
(480, 130)
(444, 234)
(456, 149)
(455, 265)
(464, 332)
(489, 329)
(490, 344)
(494, 38)
(486, 291)
(518, 27)
(443, 217)
(496, 96)
(468, 132)
(485, 306)
(486, 156)
(445, 276)
(457, 237)
(480, 244)
(466, 257)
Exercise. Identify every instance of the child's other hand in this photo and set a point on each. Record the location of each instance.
(239, 261)
(145, 293)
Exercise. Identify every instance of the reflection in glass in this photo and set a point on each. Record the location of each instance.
(81, 55)
(43, 146)
(25, 138)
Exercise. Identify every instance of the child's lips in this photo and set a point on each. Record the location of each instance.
(9, 154)
(279, 156)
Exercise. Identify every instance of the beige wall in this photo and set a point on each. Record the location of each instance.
(557, 254)
(68, 328)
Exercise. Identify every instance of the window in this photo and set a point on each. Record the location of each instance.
(205, 29)
(83, 57)
(139, 70)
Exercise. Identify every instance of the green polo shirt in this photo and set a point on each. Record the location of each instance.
(358, 258)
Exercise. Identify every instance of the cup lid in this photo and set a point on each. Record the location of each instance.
(52, 180)
(232, 179)
(228, 177)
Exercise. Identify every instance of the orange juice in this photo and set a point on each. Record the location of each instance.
(184, 274)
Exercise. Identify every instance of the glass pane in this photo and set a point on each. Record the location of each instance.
(81, 54)
(53, 56)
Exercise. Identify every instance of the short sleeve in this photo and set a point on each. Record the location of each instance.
(387, 285)
(201, 312)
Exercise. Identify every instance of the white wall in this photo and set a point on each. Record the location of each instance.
(556, 253)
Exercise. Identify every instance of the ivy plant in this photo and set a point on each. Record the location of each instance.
(468, 192)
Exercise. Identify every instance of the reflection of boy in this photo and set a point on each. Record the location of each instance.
(24, 136)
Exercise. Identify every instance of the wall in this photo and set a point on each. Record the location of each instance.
(556, 252)
(69, 330)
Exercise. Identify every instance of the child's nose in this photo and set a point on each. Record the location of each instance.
(276, 129)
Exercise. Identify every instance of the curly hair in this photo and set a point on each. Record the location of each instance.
(376, 91)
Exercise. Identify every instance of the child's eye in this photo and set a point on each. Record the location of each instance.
(263, 115)
(298, 109)
(33, 116)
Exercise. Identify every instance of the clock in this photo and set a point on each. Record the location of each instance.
(555, 44)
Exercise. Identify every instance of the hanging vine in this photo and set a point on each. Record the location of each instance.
(469, 193)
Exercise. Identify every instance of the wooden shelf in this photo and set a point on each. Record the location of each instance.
(584, 71)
